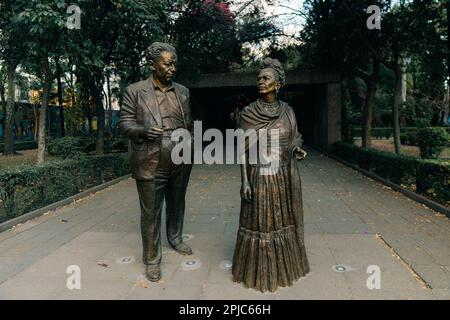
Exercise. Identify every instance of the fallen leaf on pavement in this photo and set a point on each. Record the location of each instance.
(103, 264)
(141, 283)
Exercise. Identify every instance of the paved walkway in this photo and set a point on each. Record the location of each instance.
(350, 221)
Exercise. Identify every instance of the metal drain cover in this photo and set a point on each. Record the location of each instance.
(191, 264)
(226, 265)
(125, 260)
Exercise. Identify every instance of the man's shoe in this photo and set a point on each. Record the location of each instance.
(153, 272)
(183, 249)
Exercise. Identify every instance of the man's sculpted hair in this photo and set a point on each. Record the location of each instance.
(156, 48)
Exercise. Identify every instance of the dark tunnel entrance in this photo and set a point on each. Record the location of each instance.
(213, 106)
(315, 97)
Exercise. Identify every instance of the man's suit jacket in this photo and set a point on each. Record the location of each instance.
(138, 112)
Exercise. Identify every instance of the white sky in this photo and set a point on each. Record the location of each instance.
(285, 17)
(291, 23)
(284, 8)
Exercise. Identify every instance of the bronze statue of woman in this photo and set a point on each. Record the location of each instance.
(270, 250)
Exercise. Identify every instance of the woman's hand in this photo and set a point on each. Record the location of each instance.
(246, 191)
(299, 153)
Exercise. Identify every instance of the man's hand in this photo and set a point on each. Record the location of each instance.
(153, 133)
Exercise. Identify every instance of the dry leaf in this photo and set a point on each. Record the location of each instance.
(141, 283)
(103, 264)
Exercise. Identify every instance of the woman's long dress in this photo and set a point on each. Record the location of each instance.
(270, 250)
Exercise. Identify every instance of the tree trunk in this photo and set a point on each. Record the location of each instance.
(43, 113)
(3, 99)
(356, 101)
(100, 146)
(448, 60)
(368, 110)
(110, 113)
(10, 110)
(89, 116)
(73, 109)
(355, 95)
(346, 128)
(371, 83)
(83, 115)
(396, 108)
(60, 101)
(446, 106)
(403, 91)
(36, 121)
(404, 67)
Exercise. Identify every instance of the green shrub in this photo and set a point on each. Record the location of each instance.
(409, 138)
(432, 141)
(397, 168)
(120, 145)
(89, 144)
(347, 152)
(382, 132)
(29, 187)
(69, 147)
(22, 145)
(66, 147)
(424, 113)
(432, 178)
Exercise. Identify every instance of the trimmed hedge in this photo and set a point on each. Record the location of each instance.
(432, 141)
(409, 138)
(432, 178)
(382, 132)
(386, 132)
(23, 145)
(69, 147)
(30, 187)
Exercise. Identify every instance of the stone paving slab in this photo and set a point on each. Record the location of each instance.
(104, 275)
(350, 220)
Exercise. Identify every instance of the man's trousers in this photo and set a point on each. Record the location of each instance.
(169, 184)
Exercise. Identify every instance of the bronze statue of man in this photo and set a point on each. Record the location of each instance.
(151, 110)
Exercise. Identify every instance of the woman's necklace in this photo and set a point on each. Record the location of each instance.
(268, 105)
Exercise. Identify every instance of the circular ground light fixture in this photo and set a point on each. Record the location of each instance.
(125, 260)
(191, 264)
(340, 268)
(187, 237)
(226, 265)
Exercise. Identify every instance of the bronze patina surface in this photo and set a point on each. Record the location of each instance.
(270, 250)
(150, 111)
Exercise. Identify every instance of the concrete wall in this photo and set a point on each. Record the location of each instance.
(218, 80)
(324, 112)
(333, 107)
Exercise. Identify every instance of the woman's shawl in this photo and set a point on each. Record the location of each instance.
(255, 117)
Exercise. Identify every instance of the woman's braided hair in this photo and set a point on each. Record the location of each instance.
(277, 67)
